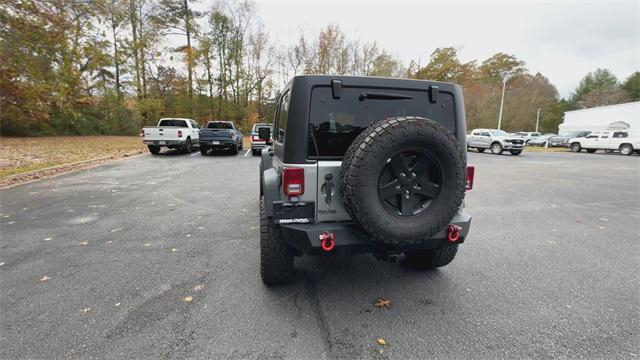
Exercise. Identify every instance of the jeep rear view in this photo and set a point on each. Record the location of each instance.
(364, 165)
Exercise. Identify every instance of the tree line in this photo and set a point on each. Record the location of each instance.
(104, 67)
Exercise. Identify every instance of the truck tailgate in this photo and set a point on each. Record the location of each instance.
(215, 134)
(161, 133)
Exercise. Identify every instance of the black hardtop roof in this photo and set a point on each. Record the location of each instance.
(369, 81)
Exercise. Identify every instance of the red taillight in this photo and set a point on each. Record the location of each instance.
(293, 181)
(471, 172)
(179, 133)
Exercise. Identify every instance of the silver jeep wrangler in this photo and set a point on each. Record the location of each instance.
(364, 165)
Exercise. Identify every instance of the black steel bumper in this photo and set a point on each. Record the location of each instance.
(351, 239)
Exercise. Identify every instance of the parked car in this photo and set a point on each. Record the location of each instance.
(540, 140)
(527, 136)
(495, 140)
(220, 135)
(172, 133)
(258, 144)
(562, 140)
(606, 140)
(374, 166)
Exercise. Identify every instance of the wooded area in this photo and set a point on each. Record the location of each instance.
(105, 67)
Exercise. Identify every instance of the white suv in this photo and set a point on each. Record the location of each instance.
(496, 140)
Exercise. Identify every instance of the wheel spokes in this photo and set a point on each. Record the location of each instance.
(389, 189)
(399, 166)
(428, 189)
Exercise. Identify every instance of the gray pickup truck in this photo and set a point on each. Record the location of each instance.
(364, 165)
(220, 135)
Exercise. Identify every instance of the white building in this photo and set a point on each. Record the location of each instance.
(612, 117)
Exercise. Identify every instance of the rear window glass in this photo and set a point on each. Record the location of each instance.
(219, 125)
(173, 122)
(335, 123)
(258, 127)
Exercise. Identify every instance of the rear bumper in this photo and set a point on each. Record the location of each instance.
(351, 239)
(218, 142)
(257, 146)
(164, 142)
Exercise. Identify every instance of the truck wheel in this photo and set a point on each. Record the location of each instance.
(496, 148)
(203, 149)
(155, 150)
(234, 149)
(591, 151)
(516, 152)
(432, 258)
(255, 152)
(240, 146)
(187, 146)
(575, 147)
(403, 179)
(626, 149)
(276, 257)
(480, 150)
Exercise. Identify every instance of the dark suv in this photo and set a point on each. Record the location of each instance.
(364, 165)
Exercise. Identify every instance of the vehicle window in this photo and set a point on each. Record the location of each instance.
(335, 123)
(605, 136)
(173, 122)
(485, 134)
(620, 134)
(476, 133)
(219, 125)
(592, 136)
(283, 113)
(499, 133)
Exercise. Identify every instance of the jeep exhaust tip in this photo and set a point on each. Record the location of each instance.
(453, 234)
(327, 241)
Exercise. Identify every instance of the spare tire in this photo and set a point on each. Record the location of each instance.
(403, 179)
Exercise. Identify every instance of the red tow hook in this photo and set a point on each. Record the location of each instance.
(454, 233)
(327, 241)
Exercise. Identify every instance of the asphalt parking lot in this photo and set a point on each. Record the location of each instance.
(98, 263)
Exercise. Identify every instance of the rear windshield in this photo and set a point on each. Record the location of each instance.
(335, 123)
(257, 128)
(219, 125)
(173, 122)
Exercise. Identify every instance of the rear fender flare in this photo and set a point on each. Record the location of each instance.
(270, 189)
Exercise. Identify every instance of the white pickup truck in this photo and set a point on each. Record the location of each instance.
(173, 133)
(624, 141)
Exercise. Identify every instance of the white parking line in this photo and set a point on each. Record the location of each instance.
(247, 153)
(195, 154)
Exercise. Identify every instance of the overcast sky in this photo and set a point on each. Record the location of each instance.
(562, 40)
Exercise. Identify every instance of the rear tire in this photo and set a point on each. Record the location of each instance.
(276, 257)
(203, 149)
(155, 150)
(187, 146)
(591, 151)
(255, 152)
(432, 258)
(480, 150)
(516, 152)
(575, 147)
(496, 149)
(234, 150)
(626, 149)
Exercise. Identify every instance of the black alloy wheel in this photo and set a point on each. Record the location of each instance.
(409, 182)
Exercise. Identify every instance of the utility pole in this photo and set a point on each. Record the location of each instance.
(537, 119)
(504, 85)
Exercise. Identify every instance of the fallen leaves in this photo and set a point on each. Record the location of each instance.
(174, 249)
(44, 279)
(188, 299)
(117, 304)
(381, 341)
(109, 242)
(84, 243)
(603, 219)
(145, 245)
(1, 263)
(48, 239)
(116, 229)
(85, 310)
(600, 227)
(382, 303)
(198, 287)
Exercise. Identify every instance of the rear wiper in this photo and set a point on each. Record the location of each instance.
(382, 96)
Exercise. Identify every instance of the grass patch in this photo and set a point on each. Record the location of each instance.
(22, 155)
